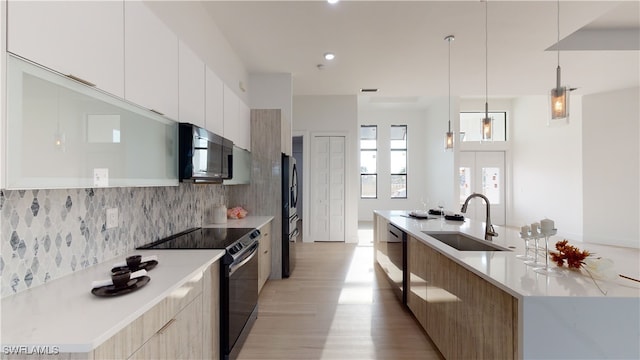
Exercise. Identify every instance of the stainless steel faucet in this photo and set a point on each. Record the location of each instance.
(489, 232)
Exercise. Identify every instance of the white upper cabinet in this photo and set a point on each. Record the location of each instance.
(237, 119)
(214, 103)
(244, 125)
(82, 39)
(61, 135)
(192, 87)
(287, 141)
(151, 60)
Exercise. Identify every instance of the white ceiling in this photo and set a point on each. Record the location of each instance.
(399, 46)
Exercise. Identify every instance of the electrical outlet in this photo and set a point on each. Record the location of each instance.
(112, 218)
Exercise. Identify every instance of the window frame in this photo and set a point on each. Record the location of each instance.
(406, 162)
(374, 174)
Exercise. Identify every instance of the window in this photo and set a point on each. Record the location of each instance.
(471, 126)
(368, 162)
(398, 161)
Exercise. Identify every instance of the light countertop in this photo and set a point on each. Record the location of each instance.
(64, 313)
(563, 317)
(509, 273)
(247, 222)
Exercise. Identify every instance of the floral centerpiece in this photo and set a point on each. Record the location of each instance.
(596, 267)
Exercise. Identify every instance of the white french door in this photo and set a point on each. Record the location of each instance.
(327, 204)
(483, 172)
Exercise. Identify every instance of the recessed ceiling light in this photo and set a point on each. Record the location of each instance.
(329, 56)
(333, 1)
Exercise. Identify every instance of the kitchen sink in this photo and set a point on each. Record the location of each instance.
(463, 242)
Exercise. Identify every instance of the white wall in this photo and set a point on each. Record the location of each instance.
(385, 115)
(271, 91)
(190, 20)
(547, 166)
(439, 164)
(611, 168)
(332, 115)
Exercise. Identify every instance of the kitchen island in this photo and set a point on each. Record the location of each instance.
(552, 317)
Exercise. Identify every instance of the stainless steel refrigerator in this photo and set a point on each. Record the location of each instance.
(289, 214)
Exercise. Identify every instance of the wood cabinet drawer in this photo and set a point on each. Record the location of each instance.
(264, 270)
(132, 337)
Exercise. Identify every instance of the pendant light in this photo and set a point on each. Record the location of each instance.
(487, 122)
(448, 139)
(559, 94)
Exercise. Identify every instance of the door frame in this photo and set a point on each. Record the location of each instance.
(507, 178)
(350, 211)
(305, 181)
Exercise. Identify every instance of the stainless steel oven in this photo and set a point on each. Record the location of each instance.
(240, 306)
(238, 278)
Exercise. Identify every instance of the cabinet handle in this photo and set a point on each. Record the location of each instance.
(164, 328)
(81, 80)
(157, 112)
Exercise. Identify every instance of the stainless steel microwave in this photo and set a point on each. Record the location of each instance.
(203, 157)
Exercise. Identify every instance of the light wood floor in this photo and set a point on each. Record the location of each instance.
(334, 306)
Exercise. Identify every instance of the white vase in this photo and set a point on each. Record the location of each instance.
(220, 214)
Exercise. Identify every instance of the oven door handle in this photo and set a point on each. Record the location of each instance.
(234, 267)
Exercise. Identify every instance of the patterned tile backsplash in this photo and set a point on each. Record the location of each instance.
(47, 234)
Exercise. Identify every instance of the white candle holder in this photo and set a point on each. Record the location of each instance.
(526, 236)
(548, 270)
(535, 235)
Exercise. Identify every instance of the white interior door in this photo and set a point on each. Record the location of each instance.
(483, 172)
(327, 188)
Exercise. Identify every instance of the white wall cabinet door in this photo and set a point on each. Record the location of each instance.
(214, 113)
(83, 39)
(244, 126)
(192, 86)
(230, 108)
(151, 60)
(237, 119)
(328, 189)
(287, 140)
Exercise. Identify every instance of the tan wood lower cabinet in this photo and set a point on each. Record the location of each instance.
(180, 338)
(264, 260)
(184, 325)
(464, 315)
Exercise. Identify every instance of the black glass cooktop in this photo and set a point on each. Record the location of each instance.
(201, 238)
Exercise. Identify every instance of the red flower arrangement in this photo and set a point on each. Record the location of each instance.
(574, 256)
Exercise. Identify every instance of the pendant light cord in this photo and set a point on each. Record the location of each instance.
(449, 39)
(558, 83)
(486, 58)
(558, 42)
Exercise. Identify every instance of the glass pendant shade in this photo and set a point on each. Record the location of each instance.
(487, 128)
(59, 139)
(560, 103)
(448, 140)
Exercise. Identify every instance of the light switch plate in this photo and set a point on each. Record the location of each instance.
(112, 218)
